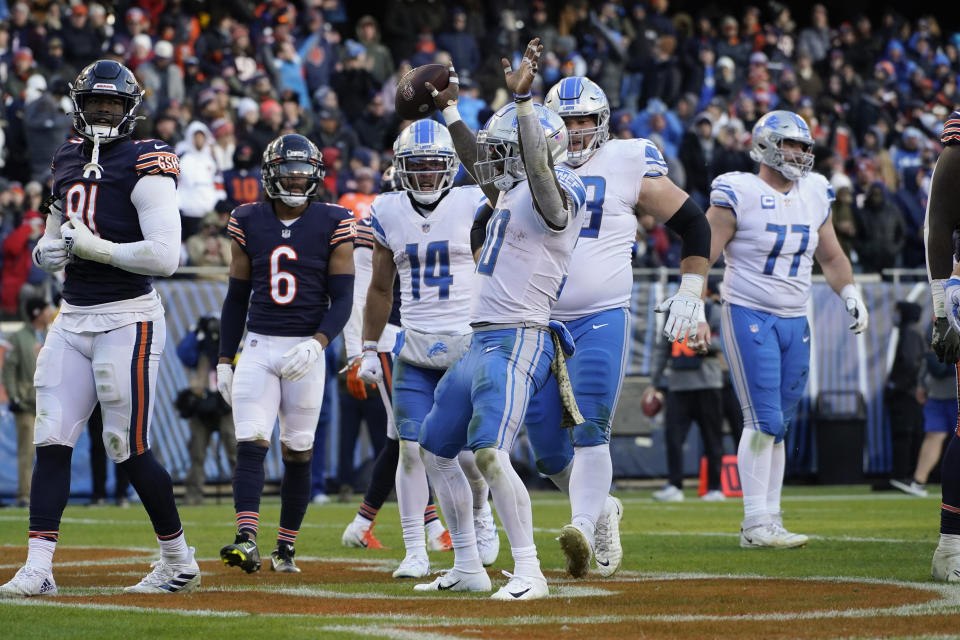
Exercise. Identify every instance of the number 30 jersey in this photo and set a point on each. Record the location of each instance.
(433, 257)
(601, 276)
(289, 264)
(770, 257)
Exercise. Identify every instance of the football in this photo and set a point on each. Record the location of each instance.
(651, 403)
(413, 101)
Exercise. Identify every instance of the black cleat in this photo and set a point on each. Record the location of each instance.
(282, 559)
(242, 553)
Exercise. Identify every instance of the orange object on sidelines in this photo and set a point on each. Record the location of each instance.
(729, 477)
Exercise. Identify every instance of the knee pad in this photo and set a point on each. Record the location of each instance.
(591, 433)
(109, 389)
(298, 442)
(49, 419)
(297, 457)
(554, 464)
(771, 423)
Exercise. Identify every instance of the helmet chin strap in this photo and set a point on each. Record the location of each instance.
(293, 200)
(427, 197)
(93, 167)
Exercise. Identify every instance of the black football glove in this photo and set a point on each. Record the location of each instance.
(945, 342)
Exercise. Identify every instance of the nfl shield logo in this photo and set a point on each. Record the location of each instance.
(426, 227)
(754, 328)
(285, 233)
(253, 342)
(406, 91)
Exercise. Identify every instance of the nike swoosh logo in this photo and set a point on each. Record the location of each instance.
(749, 540)
(597, 326)
(517, 595)
(440, 586)
(805, 339)
(489, 349)
(159, 146)
(602, 563)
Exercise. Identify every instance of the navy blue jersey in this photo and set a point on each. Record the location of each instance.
(289, 264)
(242, 185)
(104, 206)
(365, 240)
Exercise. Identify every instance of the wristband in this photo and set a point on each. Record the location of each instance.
(850, 291)
(369, 345)
(939, 305)
(451, 114)
(691, 285)
(522, 98)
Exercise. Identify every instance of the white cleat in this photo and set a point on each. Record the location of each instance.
(946, 559)
(576, 548)
(29, 581)
(713, 496)
(770, 535)
(488, 539)
(454, 580)
(170, 578)
(522, 588)
(413, 567)
(669, 493)
(607, 550)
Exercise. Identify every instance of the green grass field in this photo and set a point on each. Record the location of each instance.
(854, 534)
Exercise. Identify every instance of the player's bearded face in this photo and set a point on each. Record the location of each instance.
(794, 150)
(296, 186)
(103, 110)
(581, 131)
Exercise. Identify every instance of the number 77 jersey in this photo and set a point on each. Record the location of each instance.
(770, 257)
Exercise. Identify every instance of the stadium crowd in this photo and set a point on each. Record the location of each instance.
(222, 79)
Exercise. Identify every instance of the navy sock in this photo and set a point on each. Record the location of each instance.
(383, 476)
(950, 482)
(248, 481)
(152, 483)
(294, 498)
(49, 490)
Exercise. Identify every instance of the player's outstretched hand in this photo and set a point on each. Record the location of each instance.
(300, 359)
(856, 308)
(945, 342)
(225, 382)
(683, 315)
(449, 96)
(355, 386)
(521, 79)
(370, 369)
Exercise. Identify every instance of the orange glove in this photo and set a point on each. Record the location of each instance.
(355, 386)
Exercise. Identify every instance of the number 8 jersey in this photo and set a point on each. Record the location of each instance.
(770, 257)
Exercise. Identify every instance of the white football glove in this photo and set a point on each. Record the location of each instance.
(951, 291)
(302, 357)
(856, 308)
(51, 254)
(81, 242)
(370, 371)
(683, 309)
(225, 382)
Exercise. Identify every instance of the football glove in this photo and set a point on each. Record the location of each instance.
(225, 382)
(944, 342)
(81, 242)
(51, 254)
(683, 309)
(355, 386)
(370, 368)
(856, 308)
(302, 357)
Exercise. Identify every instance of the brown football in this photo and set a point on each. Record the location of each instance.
(413, 101)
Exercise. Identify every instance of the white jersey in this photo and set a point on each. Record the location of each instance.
(523, 261)
(770, 257)
(433, 257)
(601, 274)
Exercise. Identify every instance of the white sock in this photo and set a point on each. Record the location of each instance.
(778, 461)
(525, 562)
(510, 497)
(412, 495)
(174, 550)
(435, 529)
(753, 461)
(590, 482)
(453, 494)
(40, 553)
(479, 486)
(562, 479)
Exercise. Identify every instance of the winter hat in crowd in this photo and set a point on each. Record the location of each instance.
(245, 106)
(163, 49)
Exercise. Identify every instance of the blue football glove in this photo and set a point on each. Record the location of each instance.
(566, 338)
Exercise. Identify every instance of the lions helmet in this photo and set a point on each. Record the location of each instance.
(105, 78)
(425, 161)
(579, 96)
(290, 159)
(388, 180)
(768, 135)
(498, 145)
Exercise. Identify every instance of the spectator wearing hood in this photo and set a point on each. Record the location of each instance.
(331, 132)
(460, 43)
(900, 395)
(200, 186)
(379, 60)
(881, 230)
(355, 85)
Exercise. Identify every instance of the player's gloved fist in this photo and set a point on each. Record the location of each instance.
(355, 386)
(81, 242)
(684, 309)
(945, 342)
(225, 382)
(302, 357)
(370, 368)
(856, 308)
(51, 254)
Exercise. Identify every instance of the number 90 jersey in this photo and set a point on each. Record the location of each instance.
(289, 264)
(432, 255)
(601, 275)
(770, 257)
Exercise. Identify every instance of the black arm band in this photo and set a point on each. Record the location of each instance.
(690, 223)
(478, 232)
(233, 316)
(340, 288)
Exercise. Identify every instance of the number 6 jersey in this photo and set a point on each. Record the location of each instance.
(288, 262)
(770, 257)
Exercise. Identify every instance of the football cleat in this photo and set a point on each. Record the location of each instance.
(359, 536)
(413, 567)
(168, 577)
(912, 487)
(669, 493)
(946, 559)
(522, 588)
(576, 547)
(713, 496)
(454, 580)
(607, 551)
(281, 559)
(242, 553)
(30, 581)
(488, 539)
(770, 535)
(440, 543)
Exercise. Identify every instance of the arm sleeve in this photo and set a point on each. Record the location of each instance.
(363, 266)
(340, 286)
(478, 232)
(691, 225)
(233, 316)
(158, 254)
(548, 195)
